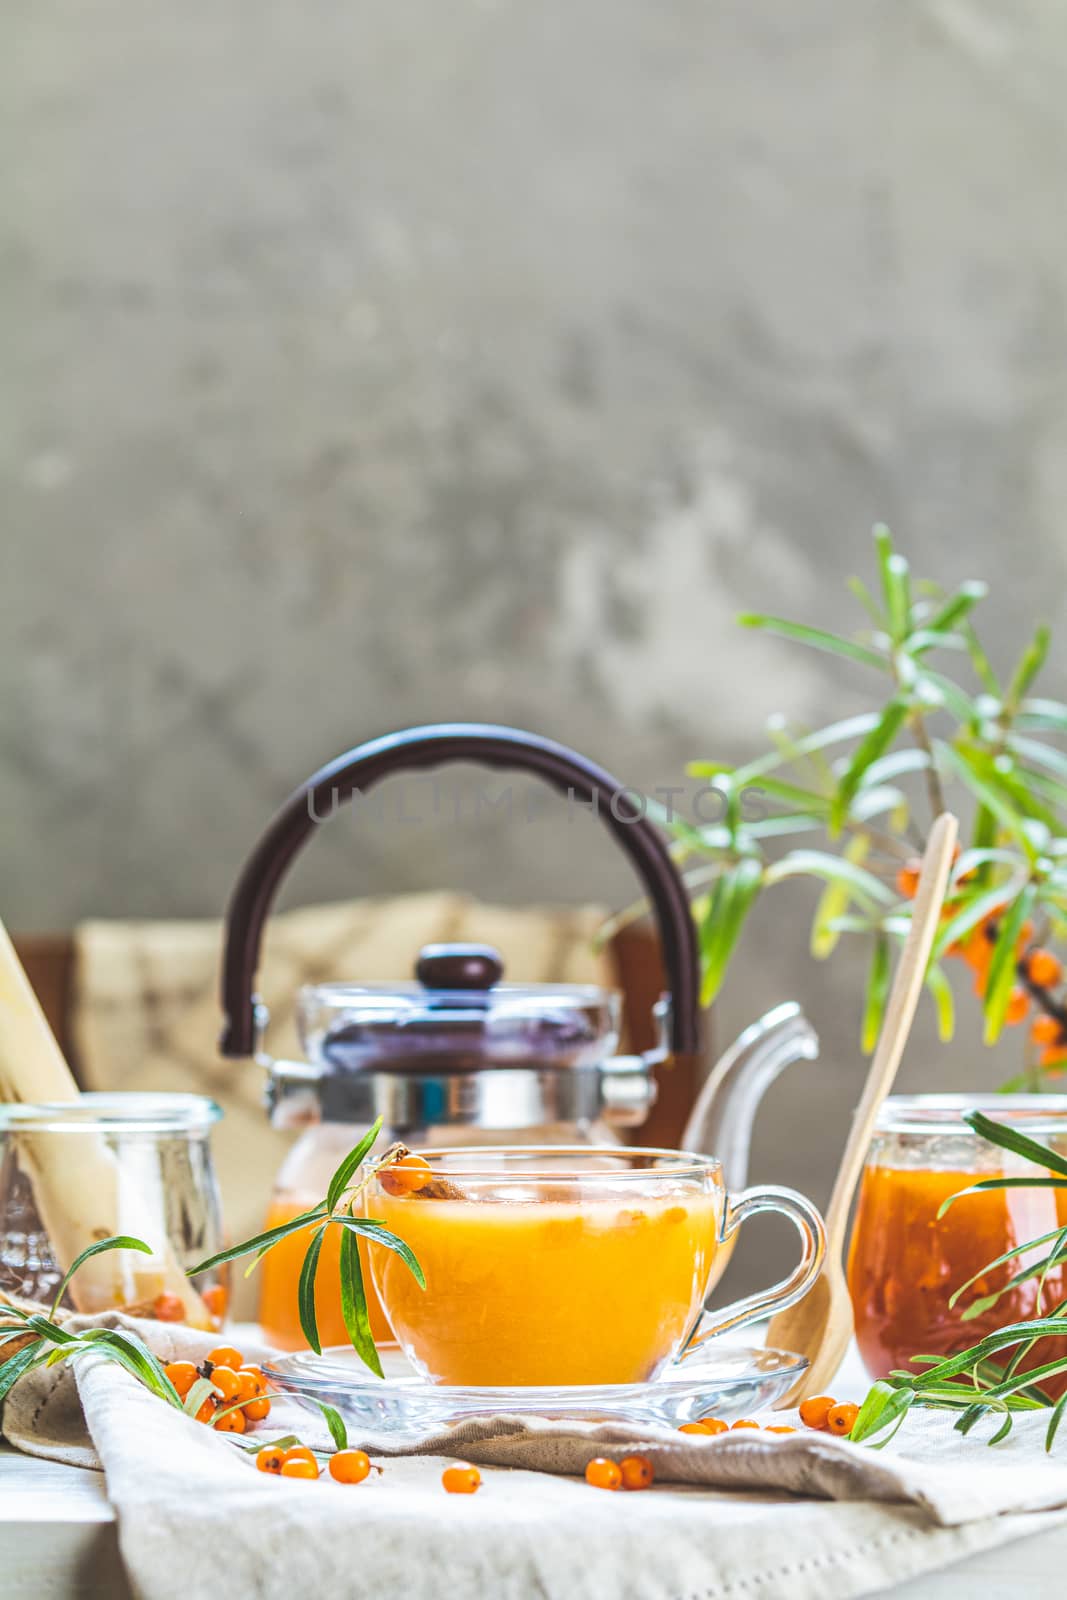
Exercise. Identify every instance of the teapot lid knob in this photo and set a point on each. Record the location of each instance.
(459, 966)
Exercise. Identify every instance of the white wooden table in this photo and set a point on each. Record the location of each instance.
(59, 1541)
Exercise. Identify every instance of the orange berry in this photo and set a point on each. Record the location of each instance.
(814, 1411)
(780, 1428)
(300, 1469)
(908, 879)
(270, 1459)
(405, 1176)
(257, 1410)
(248, 1386)
(708, 1426)
(182, 1375)
(224, 1355)
(462, 1478)
(252, 1371)
(351, 1466)
(231, 1422)
(744, 1422)
(1018, 1006)
(168, 1308)
(603, 1474)
(216, 1298)
(226, 1382)
(300, 1452)
(1053, 1055)
(1043, 968)
(207, 1409)
(636, 1472)
(840, 1419)
(1046, 1030)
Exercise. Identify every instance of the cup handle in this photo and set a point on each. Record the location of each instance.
(808, 1223)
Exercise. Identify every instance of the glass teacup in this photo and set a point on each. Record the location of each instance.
(571, 1265)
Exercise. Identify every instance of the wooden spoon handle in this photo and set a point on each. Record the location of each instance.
(896, 1025)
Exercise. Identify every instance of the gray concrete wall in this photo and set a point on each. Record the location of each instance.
(380, 362)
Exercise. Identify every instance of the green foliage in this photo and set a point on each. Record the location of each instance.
(937, 740)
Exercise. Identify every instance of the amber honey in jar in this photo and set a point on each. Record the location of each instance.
(906, 1262)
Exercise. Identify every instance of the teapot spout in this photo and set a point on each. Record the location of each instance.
(721, 1120)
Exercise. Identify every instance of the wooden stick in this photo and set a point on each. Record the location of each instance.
(76, 1179)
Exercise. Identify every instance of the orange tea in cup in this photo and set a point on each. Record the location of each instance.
(560, 1266)
(279, 1313)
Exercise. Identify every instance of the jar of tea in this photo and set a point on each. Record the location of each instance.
(906, 1262)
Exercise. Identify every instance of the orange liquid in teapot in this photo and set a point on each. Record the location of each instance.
(548, 1291)
(905, 1264)
(280, 1269)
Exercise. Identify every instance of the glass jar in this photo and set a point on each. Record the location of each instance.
(137, 1164)
(905, 1263)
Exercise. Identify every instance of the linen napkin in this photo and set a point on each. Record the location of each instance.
(741, 1513)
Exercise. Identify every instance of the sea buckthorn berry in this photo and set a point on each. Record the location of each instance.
(1046, 1030)
(226, 1382)
(636, 1472)
(814, 1410)
(351, 1466)
(1043, 968)
(300, 1452)
(708, 1426)
(182, 1375)
(1018, 1006)
(405, 1176)
(744, 1422)
(270, 1459)
(1053, 1055)
(257, 1410)
(217, 1299)
(781, 1428)
(231, 1422)
(168, 1308)
(840, 1419)
(248, 1387)
(603, 1474)
(224, 1355)
(300, 1469)
(462, 1478)
(908, 880)
(207, 1409)
(252, 1371)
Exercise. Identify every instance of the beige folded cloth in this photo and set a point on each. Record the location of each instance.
(146, 1009)
(741, 1514)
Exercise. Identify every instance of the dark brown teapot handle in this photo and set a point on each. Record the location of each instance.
(417, 748)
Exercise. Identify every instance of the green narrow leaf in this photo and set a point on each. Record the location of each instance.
(1054, 1421)
(834, 902)
(874, 744)
(354, 1304)
(1030, 664)
(988, 795)
(15, 1366)
(958, 605)
(941, 992)
(807, 745)
(867, 601)
(975, 910)
(935, 686)
(885, 1404)
(1009, 1138)
(1002, 970)
(336, 1424)
(877, 992)
(1049, 716)
(731, 901)
(118, 1241)
(896, 585)
(351, 1161)
(377, 1232)
(1001, 1183)
(201, 1390)
(306, 1291)
(261, 1241)
(131, 1352)
(870, 891)
(817, 638)
(980, 662)
(1008, 1255)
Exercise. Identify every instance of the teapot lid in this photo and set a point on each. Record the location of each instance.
(458, 1016)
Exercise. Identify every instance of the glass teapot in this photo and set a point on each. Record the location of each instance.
(459, 1055)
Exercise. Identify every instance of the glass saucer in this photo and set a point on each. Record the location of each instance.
(728, 1381)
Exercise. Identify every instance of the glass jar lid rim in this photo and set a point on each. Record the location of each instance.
(113, 1111)
(926, 1113)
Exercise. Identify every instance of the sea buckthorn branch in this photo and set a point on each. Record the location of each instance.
(852, 782)
(337, 1210)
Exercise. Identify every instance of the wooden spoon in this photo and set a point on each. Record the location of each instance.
(820, 1326)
